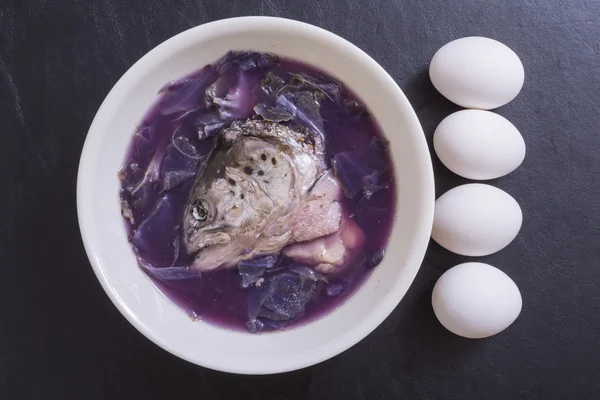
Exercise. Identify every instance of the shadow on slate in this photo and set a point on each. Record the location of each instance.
(291, 385)
(425, 338)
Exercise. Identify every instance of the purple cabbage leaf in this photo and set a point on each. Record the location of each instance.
(281, 299)
(238, 101)
(333, 289)
(305, 106)
(300, 99)
(331, 90)
(170, 273)
(178, 168)
(184, 96)
(252, 270)
(209, 123)
(308, 273)
(277, 113)
(363, 173)
(148, 238)
(246, 61)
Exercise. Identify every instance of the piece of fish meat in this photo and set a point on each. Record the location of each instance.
(264, 187)
(329, 254)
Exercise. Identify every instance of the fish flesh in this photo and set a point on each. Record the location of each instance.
(265, 186)
(329, 254)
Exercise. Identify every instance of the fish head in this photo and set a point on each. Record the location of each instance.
(245, 198)
(227, 211)
(220, 222)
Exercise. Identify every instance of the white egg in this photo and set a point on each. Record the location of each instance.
(477, 72)
(476, 219)
(476, 300)
(479, 144)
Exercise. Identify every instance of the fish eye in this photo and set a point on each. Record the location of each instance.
(200, 211)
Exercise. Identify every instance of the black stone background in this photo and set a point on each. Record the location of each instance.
(61, 337)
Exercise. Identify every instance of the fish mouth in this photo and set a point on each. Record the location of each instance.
(219, 255)
(195, 244)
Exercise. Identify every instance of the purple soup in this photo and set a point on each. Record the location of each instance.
(258, 193)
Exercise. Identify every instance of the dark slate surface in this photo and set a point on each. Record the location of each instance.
(60, 336)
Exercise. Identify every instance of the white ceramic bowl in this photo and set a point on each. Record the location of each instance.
(132, 292)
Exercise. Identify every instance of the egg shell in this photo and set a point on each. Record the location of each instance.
(479, 144)
(476, 219)
(476, 300)
(477, 72)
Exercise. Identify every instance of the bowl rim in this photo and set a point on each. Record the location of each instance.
(421, 233)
